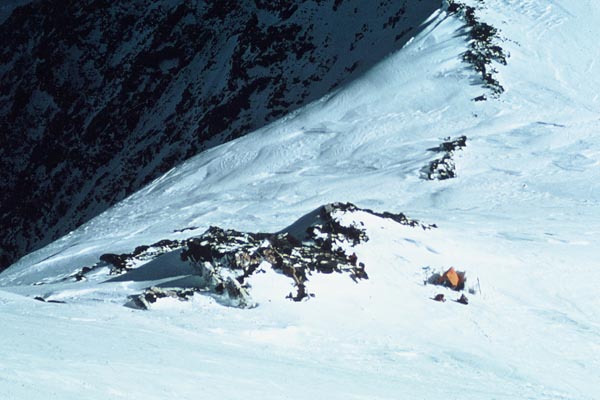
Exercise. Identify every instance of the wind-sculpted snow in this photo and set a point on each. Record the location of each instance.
(99, 98)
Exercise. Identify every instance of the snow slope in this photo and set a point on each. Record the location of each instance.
(521, 218)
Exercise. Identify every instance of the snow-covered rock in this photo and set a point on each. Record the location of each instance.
(444, 167)
(221, 262)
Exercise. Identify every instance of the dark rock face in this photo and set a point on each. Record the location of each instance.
(223, 260)
(98, 98)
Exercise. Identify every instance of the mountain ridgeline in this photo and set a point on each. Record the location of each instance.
(98, 98)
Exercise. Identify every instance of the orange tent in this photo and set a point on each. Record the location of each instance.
(451, 278)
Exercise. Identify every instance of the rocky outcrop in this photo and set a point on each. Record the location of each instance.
(443, 167)
(223, 260)
(483, 50)
(151, 295)
(98, 98)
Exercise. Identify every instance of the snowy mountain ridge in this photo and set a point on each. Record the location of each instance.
(519, 216)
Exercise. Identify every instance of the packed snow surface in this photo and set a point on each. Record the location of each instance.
(522, 217)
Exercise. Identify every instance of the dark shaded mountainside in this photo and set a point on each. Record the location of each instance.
(98, 98)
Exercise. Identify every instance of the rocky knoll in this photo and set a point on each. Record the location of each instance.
(219, 262)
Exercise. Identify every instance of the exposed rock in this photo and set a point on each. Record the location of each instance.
(439, 297)
(444, 168)
(80, 275)
(40, 298)
(189, 228)
(322, 249)
(151, 295)
(221, 260)
(483, 50)
(451, 145)
(441, 169)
